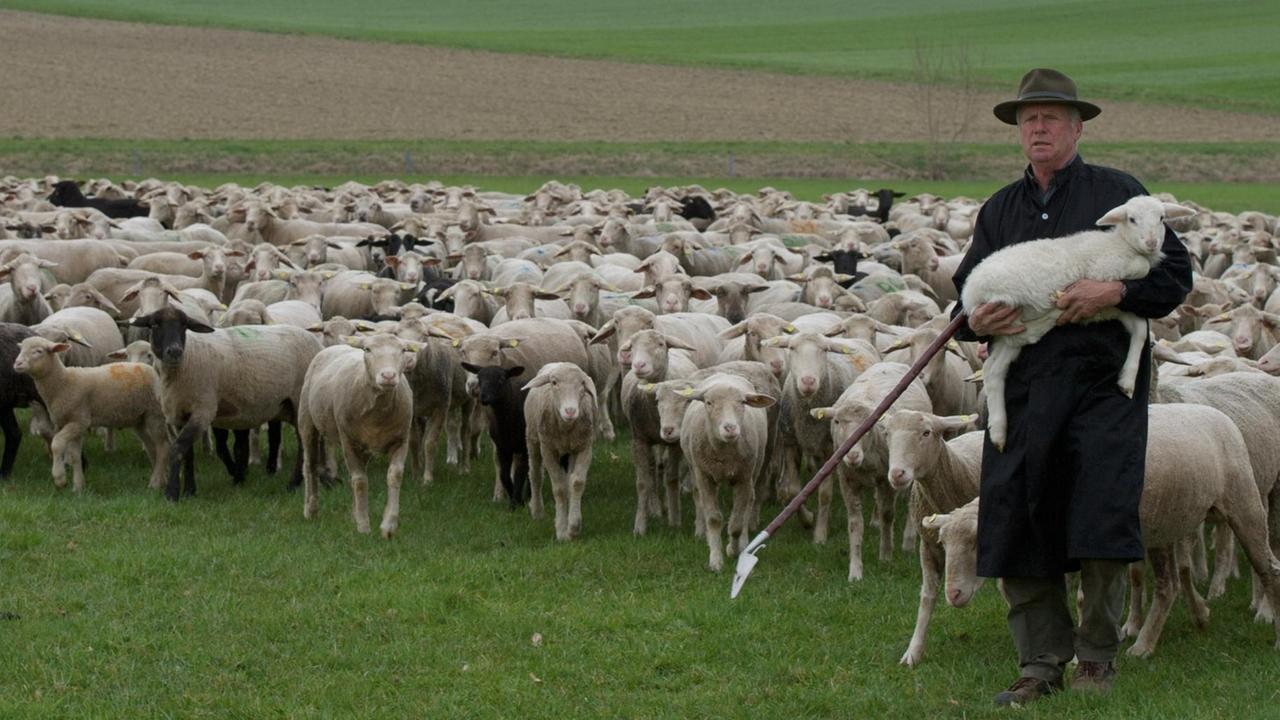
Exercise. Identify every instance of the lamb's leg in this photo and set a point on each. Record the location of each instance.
(74, 455)
(1200, 557)
(58, 449)
(1166, 589)
(994, 372)
(1224, 560)
(851, 491)
(395, 473)
(243, 441)
(642, 459)
(671, 478)
(559, 493)
(1137, 328)
(1199, 612)
(930, 578)
(578, 467)
(254, 456)
(12, 439)
(357, 462)
(1136, 599)
(182, 460)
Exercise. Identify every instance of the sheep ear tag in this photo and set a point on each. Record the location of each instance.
(513, 343)
(685, 392)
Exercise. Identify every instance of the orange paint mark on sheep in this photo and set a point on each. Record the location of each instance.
(133, 375)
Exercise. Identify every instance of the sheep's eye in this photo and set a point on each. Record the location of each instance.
(927, 433)
(719, 291)
(553, 383)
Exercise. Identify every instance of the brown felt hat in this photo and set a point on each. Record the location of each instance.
(1043, 85)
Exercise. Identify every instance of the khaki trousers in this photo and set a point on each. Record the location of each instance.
(1043, 632)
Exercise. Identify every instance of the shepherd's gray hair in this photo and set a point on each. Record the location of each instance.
(1073, 113)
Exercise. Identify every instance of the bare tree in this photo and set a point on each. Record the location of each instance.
(946, 90)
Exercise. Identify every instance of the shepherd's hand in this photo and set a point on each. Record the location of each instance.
(1083, 299)
(995, 319)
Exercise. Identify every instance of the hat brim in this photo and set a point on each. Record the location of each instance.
(1007, 112)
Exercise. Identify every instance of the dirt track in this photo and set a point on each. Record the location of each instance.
(69, 77)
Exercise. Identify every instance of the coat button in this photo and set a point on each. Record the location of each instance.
(1044, 216)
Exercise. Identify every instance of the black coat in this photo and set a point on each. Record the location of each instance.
(1068, 483)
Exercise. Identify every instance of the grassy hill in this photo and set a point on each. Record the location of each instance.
(1219, 54)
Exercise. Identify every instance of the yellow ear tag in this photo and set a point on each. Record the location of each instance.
(953, 345)
(971, 418)
(646, 386)
(1221, 318)
(457, 343)
(790, 328)
(821, 414)
(685, 392)
(365, 286)
(513, 343)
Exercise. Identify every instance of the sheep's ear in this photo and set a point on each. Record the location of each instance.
(751, 289)
(820, 413)
(59, 347)
(196, 254)
(757, 400)
(734, 331)
(117, 355)
(1172, 210)
(142, 321)
(647, 292)
(538, 381)
(392, 261)
(515, 371)
(79, 339)
(196, 326)
(954, 422)
(935, 522)
(545, 295)
(1115, 216)
(778, 341)
(354, 341)
(605, 331)
(41, 262)
(675, 343)
(1271, 319)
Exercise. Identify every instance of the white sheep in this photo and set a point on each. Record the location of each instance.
(1029, 276)
(114, 396)
(356, 396)
(559, 415)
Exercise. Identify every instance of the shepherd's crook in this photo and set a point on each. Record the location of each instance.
(748, 559)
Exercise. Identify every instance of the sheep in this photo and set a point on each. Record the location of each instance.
(357, 294)
(867, 462)
(559, 415)
(320, 249)
(523, 301)
(138, 351)
(115, 396)
(22, 300)
(356, 396)
(16, 390)
(265, 222)
(724, 436)
(72, 261)
(942, 476)
(1029, 274)
(1252, 331)
(92, 329)
(234, 379)
(470, 300)
(1193, 467)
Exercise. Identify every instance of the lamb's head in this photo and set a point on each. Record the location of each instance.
(1140, 221)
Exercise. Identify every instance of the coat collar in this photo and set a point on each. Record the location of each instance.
(1060, 177)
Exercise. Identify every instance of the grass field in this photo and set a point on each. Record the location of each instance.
(1210, 54)
(120, 604)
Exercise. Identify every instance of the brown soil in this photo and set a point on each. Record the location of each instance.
(67, 77)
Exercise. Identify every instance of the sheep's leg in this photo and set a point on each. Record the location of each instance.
(930, 578)
(822, 525)
(243, 439)
(671, 476)
(851, 491)
(453, 437)
(1224, 560)
(504, 458)
(660, 465)
(1243, 510)
(537, 465)
(520, 478)
(12, 439)
(109, 444)
(789, 482)
(885, 497)
(74, 455)
(743, 497)
(357, 463)
(274, 428)
(430, 442)
(395, 474)
(223, 452)
(578, 467)
(58, 449)
(604, 422)
(1136, 598)
(994, 371)
(1166, 589)
(309, 447)
(642, 459)
(559, 492)
(1200, 557)
(254, 455)
(182, 460)
(156, 440)
(1137, 328)
(41, 426)
(1199, 611)
(712, 518)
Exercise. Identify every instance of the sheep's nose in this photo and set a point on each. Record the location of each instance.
(895, 475)
(824, 302)
(570, 413)
(639, 365)
(953, 596)
(473, 275)
(776, 366)
(388, 377)
(580, 309)
(808, 381)
(668, 432)
(730, 430)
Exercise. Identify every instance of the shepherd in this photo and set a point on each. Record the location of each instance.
(1063, 496)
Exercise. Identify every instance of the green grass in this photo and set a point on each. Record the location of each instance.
(231, 605)
(1210, 54)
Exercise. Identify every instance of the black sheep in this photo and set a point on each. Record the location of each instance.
(66, 193)
(845, 262)
(884, 201)
(506, 426)
(16, 390)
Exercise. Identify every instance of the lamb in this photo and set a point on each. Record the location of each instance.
(724, 435)
(231, 379)
(559, 416)
(117, 395)
(942, 476)
(356, 396)
(1194, 467)
(1028, 275)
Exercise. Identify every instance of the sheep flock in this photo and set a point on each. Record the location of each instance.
(736, 339)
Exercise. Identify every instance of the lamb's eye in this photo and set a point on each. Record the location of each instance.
(1131, 221)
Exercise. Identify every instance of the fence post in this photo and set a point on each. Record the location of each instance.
(732, 171)
(408, 163)
(137, 164)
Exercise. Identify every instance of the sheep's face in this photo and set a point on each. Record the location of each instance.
(493, 383)
(569, 387)
(673, 398)
(168, 328)
(843, 420)
(958, 534)
(808, 363)
(762, 327)
(1140, 222)
(23, 273)
(386, 359)
(727, 407)
(35, 352)
(583, 297)
(647, 351)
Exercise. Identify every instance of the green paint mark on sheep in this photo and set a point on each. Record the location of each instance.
(245, 332)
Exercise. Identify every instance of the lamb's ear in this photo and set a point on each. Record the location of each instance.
(645, 293)
(1115, 216)
(700, 294)
(954, 422)
(1172, 211)
(117, 355)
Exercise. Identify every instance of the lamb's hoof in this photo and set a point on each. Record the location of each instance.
(1127, 389)
(1130, 630)
(911, 657)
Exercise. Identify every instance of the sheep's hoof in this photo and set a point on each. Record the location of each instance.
(1127, 389)
(1130, 630)
(1140, 650)
(911, 657)
(388, 532)
(716, 565)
